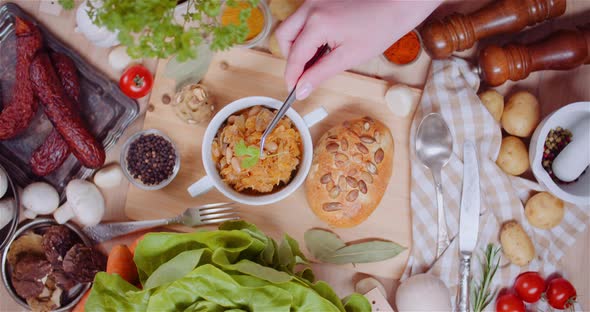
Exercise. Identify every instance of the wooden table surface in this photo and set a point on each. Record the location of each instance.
(554, 89)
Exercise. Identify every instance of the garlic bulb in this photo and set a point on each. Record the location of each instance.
(192, 105)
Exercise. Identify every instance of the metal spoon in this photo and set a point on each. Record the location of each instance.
(434, 145)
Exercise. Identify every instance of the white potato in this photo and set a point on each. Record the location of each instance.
(544, 211)
(521, 114)
(494, 102)
(517, 246)
(513, 157)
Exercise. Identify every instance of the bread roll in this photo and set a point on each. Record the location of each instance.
(350, 171)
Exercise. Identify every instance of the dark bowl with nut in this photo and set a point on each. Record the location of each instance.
(150, 160)
(49, 267)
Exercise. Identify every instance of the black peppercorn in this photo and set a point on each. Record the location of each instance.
(151, 159)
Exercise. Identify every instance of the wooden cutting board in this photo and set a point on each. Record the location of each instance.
(239, 73)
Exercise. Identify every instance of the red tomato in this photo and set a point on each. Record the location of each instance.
(509, 302)
(561, 294)
(136, 82)
(529, 286)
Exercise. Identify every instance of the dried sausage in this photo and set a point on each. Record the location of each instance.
(60, 110)
(21, 108)
(54, 150)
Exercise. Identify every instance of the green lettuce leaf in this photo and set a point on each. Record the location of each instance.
(236, 268)
(177, 267)
(356, 303)
(112, 293)
(214, 285)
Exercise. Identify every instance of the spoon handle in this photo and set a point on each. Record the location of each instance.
(443, 235)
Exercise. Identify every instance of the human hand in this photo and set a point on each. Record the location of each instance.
(355, 30)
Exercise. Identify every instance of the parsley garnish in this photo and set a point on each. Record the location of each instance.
(250, 154)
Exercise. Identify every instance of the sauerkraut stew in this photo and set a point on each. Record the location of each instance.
(236, 152)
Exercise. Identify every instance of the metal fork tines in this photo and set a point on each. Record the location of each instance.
(208, 214)
(202, 215)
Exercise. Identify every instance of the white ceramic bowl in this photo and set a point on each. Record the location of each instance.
(566, 117)
(213, 180)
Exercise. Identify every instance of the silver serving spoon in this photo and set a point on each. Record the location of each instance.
(434, 145)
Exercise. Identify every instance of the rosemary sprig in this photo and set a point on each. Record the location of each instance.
(481, 292)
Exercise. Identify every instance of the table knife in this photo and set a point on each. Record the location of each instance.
(468, 220)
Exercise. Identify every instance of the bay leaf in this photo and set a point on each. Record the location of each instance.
(366, 252)
(322, 244)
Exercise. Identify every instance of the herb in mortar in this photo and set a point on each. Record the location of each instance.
(481, 292)
(148, 27)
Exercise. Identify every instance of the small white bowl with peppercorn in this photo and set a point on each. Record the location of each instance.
(150, 160)
(551, 137)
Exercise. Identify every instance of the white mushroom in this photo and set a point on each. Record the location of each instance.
(109, 176)
(6, 211)
(3, 182)
(84, 202)
(39, 198)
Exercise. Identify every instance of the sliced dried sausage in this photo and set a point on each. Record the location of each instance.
(20, 110)
(60, 110)
(54, 150)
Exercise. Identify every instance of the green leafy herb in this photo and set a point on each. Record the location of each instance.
(149, 28)
(250, 154)
(481, 291)
(327, 247)
(66, 4)
(235, 268)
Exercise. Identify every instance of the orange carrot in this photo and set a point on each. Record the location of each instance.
(120, 261)
(135, 243)
(80, 305)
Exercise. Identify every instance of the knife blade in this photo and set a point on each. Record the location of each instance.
(468, 219)
(470, 200)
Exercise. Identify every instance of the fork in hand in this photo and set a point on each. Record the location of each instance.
(203, 215)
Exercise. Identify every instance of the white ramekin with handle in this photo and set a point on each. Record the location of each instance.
(213, 179)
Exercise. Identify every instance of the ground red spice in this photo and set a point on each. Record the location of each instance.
(405, 50)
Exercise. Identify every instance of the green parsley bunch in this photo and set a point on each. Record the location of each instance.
(149, 30)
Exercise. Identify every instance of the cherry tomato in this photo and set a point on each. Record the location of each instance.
(529, 286)
(561, 294)
(136, 82)
(509, 302)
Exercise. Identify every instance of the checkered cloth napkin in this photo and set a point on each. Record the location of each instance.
(451, 91)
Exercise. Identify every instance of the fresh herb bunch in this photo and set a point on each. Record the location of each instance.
(66, 4)
(481, 291)
(148, 27)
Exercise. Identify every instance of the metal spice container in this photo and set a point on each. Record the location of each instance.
(40, 225)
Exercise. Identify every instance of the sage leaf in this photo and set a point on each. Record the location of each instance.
(366, 252)
(322, 244)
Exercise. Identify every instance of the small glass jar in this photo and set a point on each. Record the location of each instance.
(418, 54)
(261, 37)
(139, 183)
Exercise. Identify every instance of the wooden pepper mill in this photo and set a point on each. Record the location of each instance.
(562, 50)
(459, 32)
